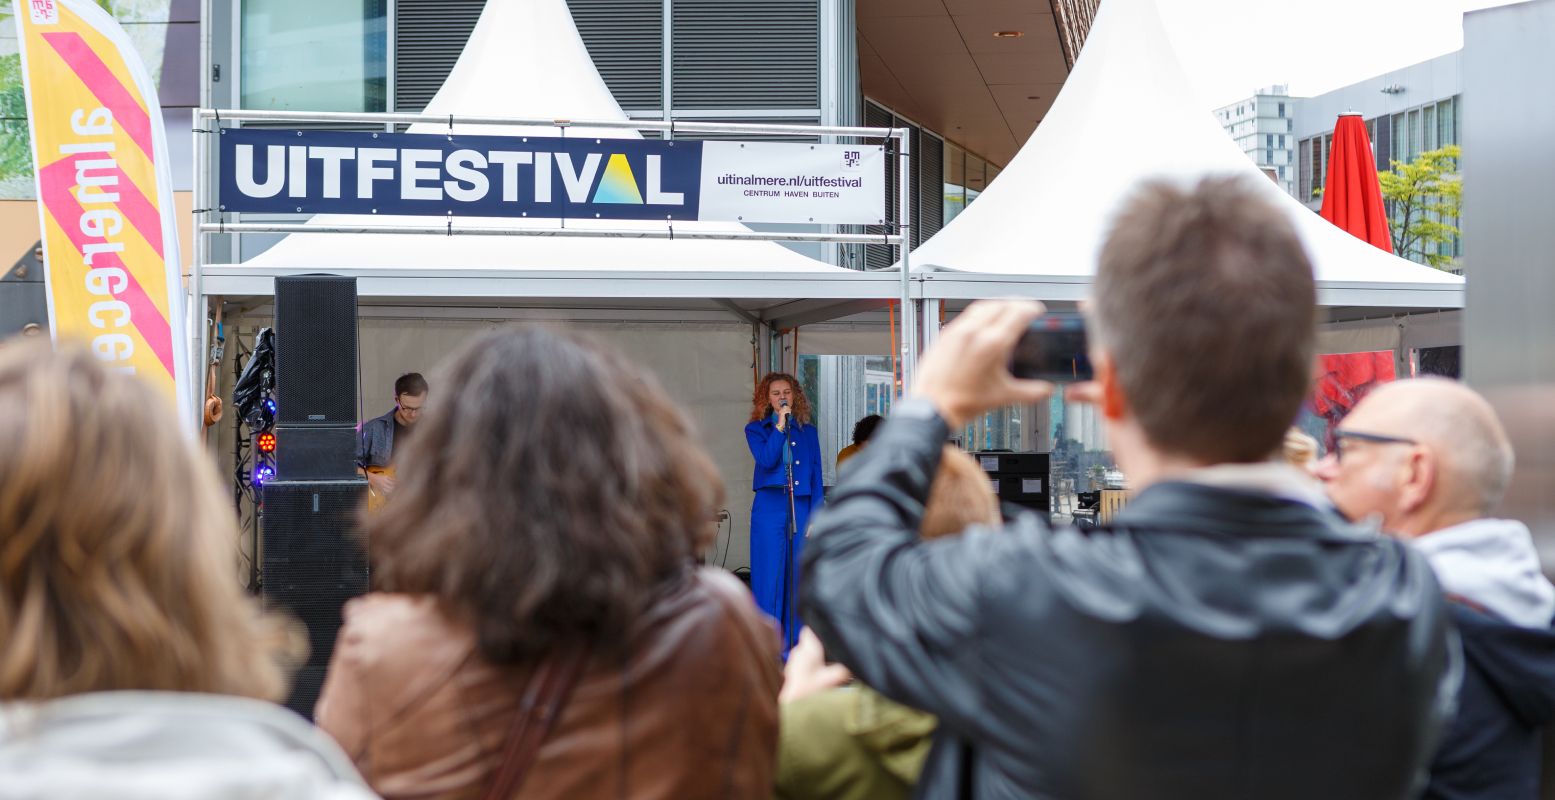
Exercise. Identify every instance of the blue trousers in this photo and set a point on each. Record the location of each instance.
(770, 573)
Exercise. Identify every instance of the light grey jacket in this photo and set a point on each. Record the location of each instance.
(168, 746)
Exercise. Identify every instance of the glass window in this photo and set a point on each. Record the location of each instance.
(304, 55)
(1429, 129)
(1447, 122)
(955, 181)
(1398, 151)
(1081, 460)
(1304, 169)
(1412, 137)
(1282, 173)
(1268, 140)
(843, 390)
(976, 177)
(999, 429)
(1282, 110)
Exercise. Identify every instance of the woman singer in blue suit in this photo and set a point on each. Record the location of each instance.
(782, 439)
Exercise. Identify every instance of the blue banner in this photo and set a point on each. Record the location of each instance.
(290, 171)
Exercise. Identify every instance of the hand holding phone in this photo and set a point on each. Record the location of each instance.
(1053, 348)
(967, 372)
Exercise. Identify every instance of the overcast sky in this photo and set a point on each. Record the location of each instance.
(1232, 47)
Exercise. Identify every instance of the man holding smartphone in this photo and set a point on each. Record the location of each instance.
(1227, 635)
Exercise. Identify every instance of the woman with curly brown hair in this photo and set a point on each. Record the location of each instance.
(133, 666)
(787, 481)
(542, 626)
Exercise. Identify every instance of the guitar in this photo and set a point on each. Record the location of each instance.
(376, 499)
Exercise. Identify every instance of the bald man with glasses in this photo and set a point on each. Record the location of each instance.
(1428, 460)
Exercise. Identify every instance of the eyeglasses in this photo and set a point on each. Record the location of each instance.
(1343, 437)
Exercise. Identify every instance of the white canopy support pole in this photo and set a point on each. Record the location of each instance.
(931, 325)
(444, 120)
(449, 229)
(904, 233)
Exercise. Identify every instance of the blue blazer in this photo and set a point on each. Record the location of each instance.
(766, 445)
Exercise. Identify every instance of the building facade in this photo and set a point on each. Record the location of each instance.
(1263, 127)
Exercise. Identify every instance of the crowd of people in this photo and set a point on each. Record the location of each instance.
(540, 627)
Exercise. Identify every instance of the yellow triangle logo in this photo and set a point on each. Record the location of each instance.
(618, 185)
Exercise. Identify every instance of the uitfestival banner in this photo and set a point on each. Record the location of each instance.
(338, 172)
(105, 200)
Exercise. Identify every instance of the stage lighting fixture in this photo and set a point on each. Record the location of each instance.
(262, 473)
(265, 442)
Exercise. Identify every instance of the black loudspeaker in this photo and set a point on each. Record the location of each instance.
(310, 453)
(313, 563)
(315, 350)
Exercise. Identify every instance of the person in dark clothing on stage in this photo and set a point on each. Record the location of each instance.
(783, 440)
(862, 430)
(1429, 460)
(377, 437)
(1227, 634)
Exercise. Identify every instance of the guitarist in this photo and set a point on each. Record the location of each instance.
(378, 437)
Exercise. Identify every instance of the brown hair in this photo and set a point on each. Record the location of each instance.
(761, 407)
(549, 493)
(1206, 303)
(116, 559)
(410, 383)
(959, 497)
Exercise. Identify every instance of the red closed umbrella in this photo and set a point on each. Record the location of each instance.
(1352, 196)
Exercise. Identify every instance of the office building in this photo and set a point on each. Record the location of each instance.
(1262, 126)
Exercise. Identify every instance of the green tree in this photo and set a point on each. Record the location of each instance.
(1424, 198)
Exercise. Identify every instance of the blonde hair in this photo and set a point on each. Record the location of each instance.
(115, 568)
(959, 497)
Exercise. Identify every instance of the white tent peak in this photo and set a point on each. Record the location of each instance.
(526, 60)
(1126, 112)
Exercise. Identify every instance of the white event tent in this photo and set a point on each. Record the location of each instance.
(1128, 112)
(686, 308)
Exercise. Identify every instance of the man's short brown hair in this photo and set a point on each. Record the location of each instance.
(1205, 301)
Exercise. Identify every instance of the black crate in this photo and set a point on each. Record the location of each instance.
(1021, 463)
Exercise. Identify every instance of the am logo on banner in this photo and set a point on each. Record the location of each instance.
(105, 199)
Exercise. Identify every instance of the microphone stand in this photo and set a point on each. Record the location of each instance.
(790, 636)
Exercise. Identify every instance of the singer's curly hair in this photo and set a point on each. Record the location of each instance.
(760, 407)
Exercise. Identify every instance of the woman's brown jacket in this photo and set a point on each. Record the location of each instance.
(690, 711)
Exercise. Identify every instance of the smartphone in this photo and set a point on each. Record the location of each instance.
(1053, 349)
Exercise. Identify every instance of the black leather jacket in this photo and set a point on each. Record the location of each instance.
(1209, 643)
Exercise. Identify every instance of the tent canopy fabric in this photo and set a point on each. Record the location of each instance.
(526, 60)
(1127, 112)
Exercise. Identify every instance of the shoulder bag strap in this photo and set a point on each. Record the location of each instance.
(541, 704)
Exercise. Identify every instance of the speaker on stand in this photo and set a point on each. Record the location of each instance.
(312, 555)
